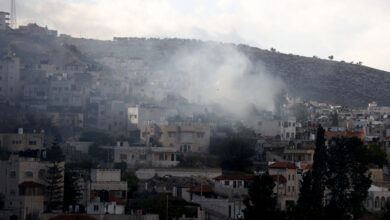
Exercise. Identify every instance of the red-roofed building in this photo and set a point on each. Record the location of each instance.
(338, 134)
(282, 165)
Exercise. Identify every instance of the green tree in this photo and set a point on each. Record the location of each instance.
(310, 203)
(54, 186)
(237, 153)
(2, 201)
(72, 191)
(319, 169)
(99, 139)
(335, 119)
(376, 154)
(54, 153)
(386, 213)
(347, 179)
(262, 201)
(236, 150)
(132, 182)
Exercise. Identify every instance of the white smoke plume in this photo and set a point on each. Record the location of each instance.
(222, 75)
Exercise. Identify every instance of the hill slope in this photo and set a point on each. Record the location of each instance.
(309, 78)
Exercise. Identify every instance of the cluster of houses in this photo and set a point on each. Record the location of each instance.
(79, 96)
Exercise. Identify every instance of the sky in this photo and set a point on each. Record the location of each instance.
(350, 30)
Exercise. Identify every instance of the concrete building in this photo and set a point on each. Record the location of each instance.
(208, 173)
(288, 128)
(286, 180)
(377, 198)
(9, 78)
(67, 119)
(232, 185)
(373, 108)
(298, 155)
(184, 137)
(141, 115)
(269, 127)
(4, 20)
(21, 141)
(64, 91)
(111, 115)
(137, 157)
(106, 184)
(23, 186)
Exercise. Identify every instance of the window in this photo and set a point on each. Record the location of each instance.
(259, 123)
(28, 174)
(288, 188)
(32, 142)
(289, 124)
(287, 134)
(12, 174)
(123, 156)
(293, 177)
(226, 183)
(172, 157)
(293, 189)
(172, 134)
(12, 192)
(289, 177)
(95, 208)
(142, 157)
(200, 135)
(234, 184)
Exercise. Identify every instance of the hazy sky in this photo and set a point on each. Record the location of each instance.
(351, 30)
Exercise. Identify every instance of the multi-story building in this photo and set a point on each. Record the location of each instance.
(9, 78)
(107, 192)
(23, 185)
(4, 20)
(64, 91)
(136, 157)
(286, 180)
(288, 128)
(141, 115)
(184, 137)
(67, 119)
(298, 155)
(20, 141)
(270, 127)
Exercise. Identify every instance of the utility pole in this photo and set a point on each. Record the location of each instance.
(13, 15)
(166, 218)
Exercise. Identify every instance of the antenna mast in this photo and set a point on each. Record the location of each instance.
(13, 14)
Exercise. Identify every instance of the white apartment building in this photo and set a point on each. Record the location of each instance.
(144, 114)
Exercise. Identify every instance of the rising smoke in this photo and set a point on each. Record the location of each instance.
(220, 74)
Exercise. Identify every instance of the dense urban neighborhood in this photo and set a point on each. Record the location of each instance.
(91, 135)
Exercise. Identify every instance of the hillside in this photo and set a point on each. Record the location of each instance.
(309, 78)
